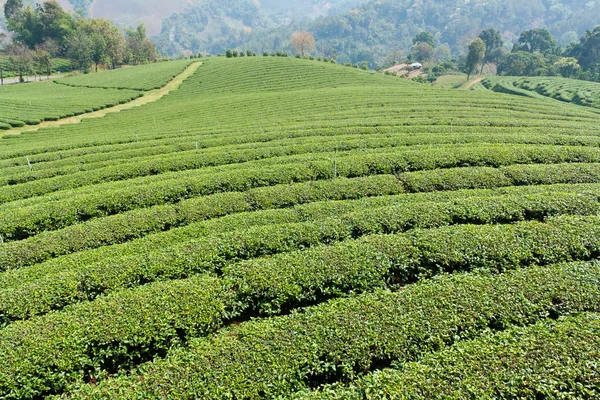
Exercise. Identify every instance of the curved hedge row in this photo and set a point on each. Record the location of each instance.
(54, 351)
(27, 218)
(134, 224)
(179, 258)
(547, 360)
(174, 157)
(45, 101)
(378, 160)
(341, 339)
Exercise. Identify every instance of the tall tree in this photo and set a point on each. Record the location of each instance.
(475, 56)
(424, 37)
(115, 44)
(587, 51)
(537, 40)
(42, 61)
(79, 49)
(140, 49)
(303, 43)
(12, 9)
(3, 38)
(20, 59)
(422, 52)
(493, 40)
(99, 32)
(56, 23)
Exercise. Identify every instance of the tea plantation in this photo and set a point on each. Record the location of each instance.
(568, 90)
(59, 65)
(284, 228)
(144, 77)
(32, 103)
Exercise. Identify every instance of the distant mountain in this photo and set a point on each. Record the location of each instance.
(353, 30)
(374, 30)
(209, 25)
(152, 12)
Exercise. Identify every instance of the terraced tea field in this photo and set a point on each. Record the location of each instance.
(579, 92)
(59, 65)
(145, 77)
(284, 228)
(31, 104)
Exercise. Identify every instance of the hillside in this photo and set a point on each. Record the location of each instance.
(151, 12)
(287, 228)
(372, 31)
(574, 91)
(353, 30)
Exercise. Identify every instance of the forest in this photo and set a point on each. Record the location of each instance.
(45, 31)
(374, 30)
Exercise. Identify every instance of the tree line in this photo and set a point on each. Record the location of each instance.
(536, 53)
(46, 31)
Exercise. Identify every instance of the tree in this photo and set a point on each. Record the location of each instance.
(475, 56)
(493, 40)
(303, 43)
(567, 66)
(115, 43)
(522, 63)
(20, 59)
(32, 26)
(12, 11)
(29, 28)
(537, 40)
(587, 51)
(108, 44)
(422, 52)
(424, 37)
(140, 49)
(79, 49)
(3, 38)
(56, 23)
(42, 61)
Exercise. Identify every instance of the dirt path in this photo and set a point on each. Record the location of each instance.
(473, 83)
(148, 97)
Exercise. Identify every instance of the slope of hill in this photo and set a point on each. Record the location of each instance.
(144, 77)
(286, 228)
(33, 103)
(568, 90)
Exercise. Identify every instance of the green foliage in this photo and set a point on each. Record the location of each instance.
(475, 56)
(372, 31)
(86, 42)
(342, 339)
(568, 90)
(145, 77)
(282, 227)
(548, 359)
(537, 41)
(522, 63)
(33, 103)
